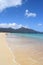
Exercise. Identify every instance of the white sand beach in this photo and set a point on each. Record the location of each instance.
(6, 57)
(20, 51)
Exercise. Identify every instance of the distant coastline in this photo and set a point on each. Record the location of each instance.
(20, 30)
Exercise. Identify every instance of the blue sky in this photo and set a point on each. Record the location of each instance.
(18, 13)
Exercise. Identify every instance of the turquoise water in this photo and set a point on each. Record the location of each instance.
(35, 36)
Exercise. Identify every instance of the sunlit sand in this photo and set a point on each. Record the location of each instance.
(6, 57)
(26, 51)
(20, 51)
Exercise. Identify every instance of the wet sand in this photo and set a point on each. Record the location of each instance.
(26, 51)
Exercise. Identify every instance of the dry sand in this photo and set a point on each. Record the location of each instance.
(6, 56)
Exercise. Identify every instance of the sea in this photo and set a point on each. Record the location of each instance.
(26, 35)
(27, 48)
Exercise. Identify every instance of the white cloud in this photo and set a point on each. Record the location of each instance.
(39, 24)
(9, 3)
(29, 14)
(11, 25)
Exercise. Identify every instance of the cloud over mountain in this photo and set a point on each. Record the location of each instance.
(11, 25)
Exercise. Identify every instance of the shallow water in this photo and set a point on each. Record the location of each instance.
(27, 48)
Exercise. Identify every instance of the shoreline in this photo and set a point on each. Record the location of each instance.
(17, 35)
(6, 55)
(21, 54)
(26, 51)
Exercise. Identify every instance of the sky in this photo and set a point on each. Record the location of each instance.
(18, 13)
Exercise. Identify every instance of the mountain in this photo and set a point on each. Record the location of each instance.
(19, 30)
(25, 30)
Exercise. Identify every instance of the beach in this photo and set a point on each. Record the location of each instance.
(27, 51)
(16, 50)
(21, 32)
(6, 56)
